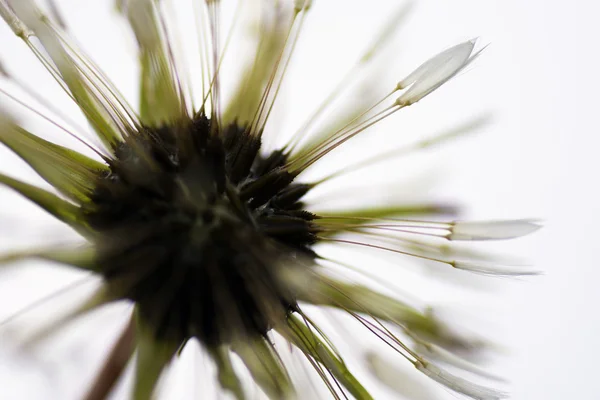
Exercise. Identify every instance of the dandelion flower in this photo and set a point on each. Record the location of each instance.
(185, 214)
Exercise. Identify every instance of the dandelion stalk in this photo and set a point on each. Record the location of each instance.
(114, 365)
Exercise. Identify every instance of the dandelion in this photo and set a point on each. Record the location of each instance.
(183, 212)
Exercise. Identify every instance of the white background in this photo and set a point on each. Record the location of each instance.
(538, 158)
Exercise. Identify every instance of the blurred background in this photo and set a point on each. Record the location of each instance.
(537, 157)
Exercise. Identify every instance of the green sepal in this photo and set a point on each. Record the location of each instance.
(419, 325)
(353, 219)
(363, 300)
(227, 377)
(72, 173)
(298, 333)
(84, 84)
(355, 216)
(152, 357)
(248, 94)
(90, 103)
(82, 258)
(265, 367)
(59, 208)
(160, 100)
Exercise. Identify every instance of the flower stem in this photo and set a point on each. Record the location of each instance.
(114, 365)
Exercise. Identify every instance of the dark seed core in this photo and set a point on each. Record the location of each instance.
(195, 225)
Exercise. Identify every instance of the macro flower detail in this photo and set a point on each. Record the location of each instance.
(185, 214)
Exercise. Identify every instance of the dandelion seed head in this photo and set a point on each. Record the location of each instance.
(187, 215)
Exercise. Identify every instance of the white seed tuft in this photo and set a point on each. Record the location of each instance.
(31, 16)
(405, 382)
(440, 354)
(18, 27)
(458, 384)
(492, 230)
(493, 269)
(12, 20)
(434, 72)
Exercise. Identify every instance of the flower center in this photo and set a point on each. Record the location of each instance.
(197, 228)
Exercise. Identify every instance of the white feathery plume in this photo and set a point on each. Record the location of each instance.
(436, 71)
(492, 230)
(458, 384)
